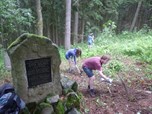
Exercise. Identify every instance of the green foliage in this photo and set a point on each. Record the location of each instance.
(62, 53)
(59, 107)
(148, 71)
(75, 87)
(44, 105)
(73, 100)
(141, 49)
(13, 17)
(115, 66)
(136, 46)
(25, 111)
(31, 107)
(66, 91)
(109, 28)
(95, 12)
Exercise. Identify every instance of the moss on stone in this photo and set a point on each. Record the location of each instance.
(75, 87)
(24, 37)
(44, 105)
(37, 110)
(31, 106)
(59, 107)
(25, 111)
(73, 101)
(67, 90)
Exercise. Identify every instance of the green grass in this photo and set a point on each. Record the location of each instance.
(136, 46)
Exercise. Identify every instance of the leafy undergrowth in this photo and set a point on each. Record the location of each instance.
(115, 99)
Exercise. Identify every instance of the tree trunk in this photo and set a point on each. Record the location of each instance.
(136, 15)
(39, 18)
(76, 27)
(53, 33)
(56, 30)
(48, 30)
(82, 30)
(67, 41)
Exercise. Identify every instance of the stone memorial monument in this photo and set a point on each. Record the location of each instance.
(35, 62)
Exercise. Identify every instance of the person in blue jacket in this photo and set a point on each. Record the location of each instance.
(71, 56)
(90, 40)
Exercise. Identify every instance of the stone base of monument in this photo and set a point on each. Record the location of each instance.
(68, 102)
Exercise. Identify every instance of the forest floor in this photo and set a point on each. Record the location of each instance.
(114, 99)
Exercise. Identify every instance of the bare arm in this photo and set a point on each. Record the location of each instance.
(107, 79)
(102, 75)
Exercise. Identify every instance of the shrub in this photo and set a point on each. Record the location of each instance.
(115, 66)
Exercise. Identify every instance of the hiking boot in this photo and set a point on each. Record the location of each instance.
(88, 87)
(92, 92)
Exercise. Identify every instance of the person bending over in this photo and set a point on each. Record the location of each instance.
(95, 63)
(71, 56)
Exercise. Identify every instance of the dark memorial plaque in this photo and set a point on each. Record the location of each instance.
(38, 71)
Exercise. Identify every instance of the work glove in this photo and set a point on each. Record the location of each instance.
(108, 80)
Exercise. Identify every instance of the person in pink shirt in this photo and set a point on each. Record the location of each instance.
(95, 63)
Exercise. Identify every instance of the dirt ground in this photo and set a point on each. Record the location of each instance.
(115, 99)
